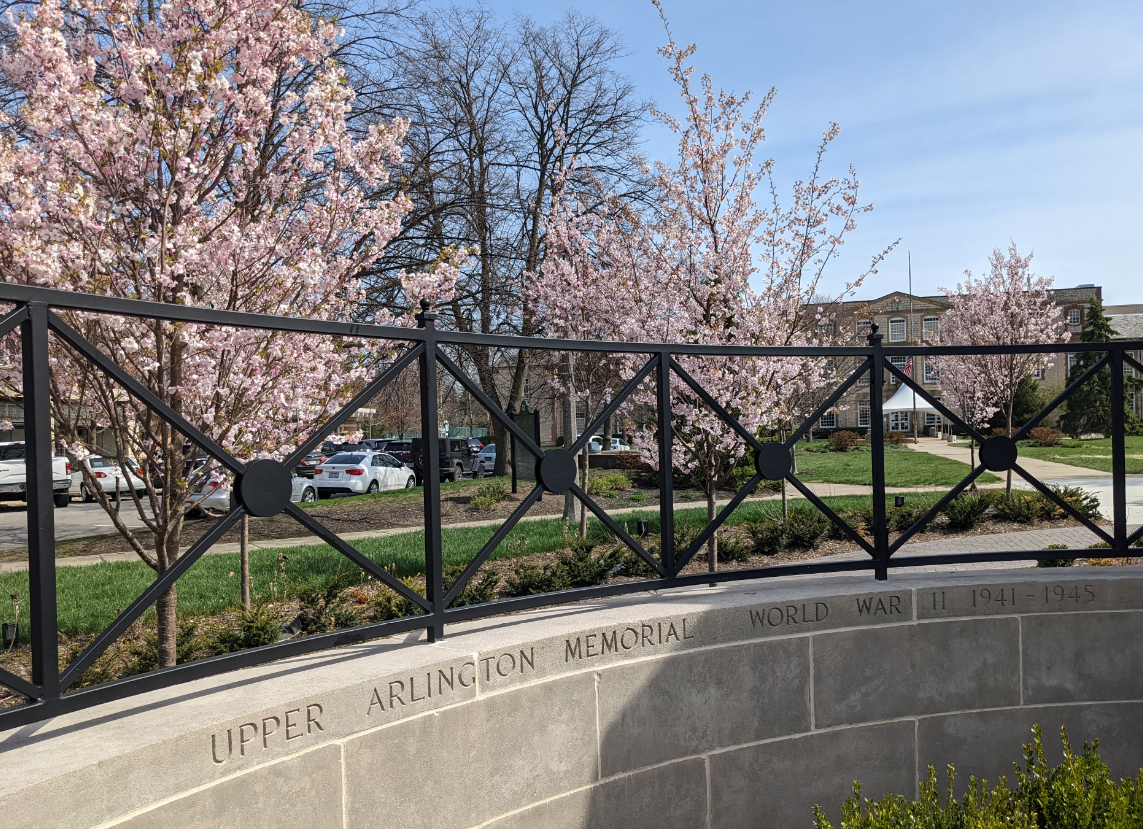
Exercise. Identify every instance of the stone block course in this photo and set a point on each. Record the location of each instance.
(672, 796)
(987, 743)
(907, 670)
(464, 765)
(303, 792)
(776, 784)
(1083, 656)
(689, 703)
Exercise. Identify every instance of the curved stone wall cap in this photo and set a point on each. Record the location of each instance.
(245, 716)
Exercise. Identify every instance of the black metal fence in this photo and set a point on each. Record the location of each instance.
(260, 490)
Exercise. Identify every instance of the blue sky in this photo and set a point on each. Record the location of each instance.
(970, 124)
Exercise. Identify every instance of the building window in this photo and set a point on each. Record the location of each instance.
(1039, 373)
(863, 380)
(932, 373)
(864, 327)
(1128, 369)
(828, 421)
(932, 419)
(1071, 363)
(863, 418)
(931, 329)
(897, 330)
(830, 370)
(899, 362)
(899, 422)
(1075, 316)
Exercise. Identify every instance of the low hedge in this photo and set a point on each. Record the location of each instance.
(1077, 794)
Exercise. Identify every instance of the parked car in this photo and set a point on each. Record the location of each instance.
(110, 477)
(486, 459)
(455, 459)
(13, 474)
(617, 445)
(399, 449)
(356, 473)
(309, 463)
(212, 498)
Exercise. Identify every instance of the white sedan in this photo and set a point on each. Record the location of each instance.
(486, 459)
(357, 473)
(213, 498)
(108, 475)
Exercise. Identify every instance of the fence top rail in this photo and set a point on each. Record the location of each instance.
(119, 306)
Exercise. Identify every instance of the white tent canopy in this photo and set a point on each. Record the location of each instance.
(906, 400)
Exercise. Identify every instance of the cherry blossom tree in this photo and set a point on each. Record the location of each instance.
(194, 153)
(1009, 306)
(708, 264)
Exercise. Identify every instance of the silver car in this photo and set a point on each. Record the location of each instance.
(213, 498)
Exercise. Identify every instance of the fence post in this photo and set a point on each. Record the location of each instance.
(431, 470)
(1118, 451)
(877, 450)
(666, 466)
(38, 488)
(512, 445)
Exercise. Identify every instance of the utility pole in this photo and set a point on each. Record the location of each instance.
(913, 360)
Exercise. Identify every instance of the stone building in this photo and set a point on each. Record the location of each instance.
(903, 319)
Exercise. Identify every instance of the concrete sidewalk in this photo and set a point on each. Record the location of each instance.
(1040, 469)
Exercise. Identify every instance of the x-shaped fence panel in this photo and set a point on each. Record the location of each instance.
(262, 487)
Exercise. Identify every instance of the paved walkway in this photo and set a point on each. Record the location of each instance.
(1041, 469)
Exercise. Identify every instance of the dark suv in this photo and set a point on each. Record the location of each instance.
(399, 449)
(456, 459)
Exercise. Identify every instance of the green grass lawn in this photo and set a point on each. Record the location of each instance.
(1092, 454)
(89, 597)
(903, 467)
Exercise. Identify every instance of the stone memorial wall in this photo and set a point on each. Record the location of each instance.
(730, 707)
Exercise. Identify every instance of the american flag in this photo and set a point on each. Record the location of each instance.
(909, 367)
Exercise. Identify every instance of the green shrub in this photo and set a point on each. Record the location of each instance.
(389, 604)
(1084, 502)
(896, 438)
(992, 497)
(853, 519)
(1056, 562)
(481, 588)
(843, 440)
(578, 566)
(1019, 508)
(633, 566)
(901, 518)
(733, 548)
(1077, 794)
(638, 497)
(965, 511)
(768, 536)
(489, 496)
(324, 609)
(608, 482)
(256, 626)
(805, 527)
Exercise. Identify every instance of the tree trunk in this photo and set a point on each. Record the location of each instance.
(244, 556)
(572, 506)
(165, 607)
(712, 544)
(1011, 403)
(583, 473)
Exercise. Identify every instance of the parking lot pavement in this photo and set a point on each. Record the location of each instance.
(75, 521)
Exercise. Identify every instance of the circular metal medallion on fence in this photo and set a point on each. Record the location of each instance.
(264, 488)
(773, 461)
(998, 453)
(557, 470)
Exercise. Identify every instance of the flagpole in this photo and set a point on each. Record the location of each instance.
(912, 325)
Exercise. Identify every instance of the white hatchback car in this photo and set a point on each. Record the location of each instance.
(357, 473)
